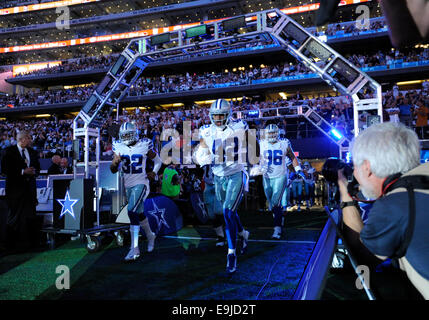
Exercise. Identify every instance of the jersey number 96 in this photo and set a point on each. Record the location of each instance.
(274, 157)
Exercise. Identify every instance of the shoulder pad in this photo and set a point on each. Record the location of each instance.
(148, 143)
(204, 131)
(240, 124)
(116, 145)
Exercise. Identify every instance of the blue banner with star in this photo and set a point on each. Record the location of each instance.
(200, 210)
(163, 215)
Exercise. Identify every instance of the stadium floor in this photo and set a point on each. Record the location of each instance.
(183, 266)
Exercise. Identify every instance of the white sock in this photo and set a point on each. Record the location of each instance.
(231, 251)
(277, 229)
(219, 231)
(146, 228)
(134, 230)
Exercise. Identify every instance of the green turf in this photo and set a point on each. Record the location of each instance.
(177, 269)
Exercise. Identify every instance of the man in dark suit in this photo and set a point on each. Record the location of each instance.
(64, 166)
(21, 166)
(55, 167)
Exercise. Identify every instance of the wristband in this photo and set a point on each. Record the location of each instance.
(347, 204)
(297, 168)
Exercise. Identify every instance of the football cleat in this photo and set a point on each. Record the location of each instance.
(220, 242)
(133, 254)
(231, 263)
(244, 241)
(276, 235)
(151, 242)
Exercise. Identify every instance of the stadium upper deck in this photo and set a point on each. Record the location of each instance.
(18, 31)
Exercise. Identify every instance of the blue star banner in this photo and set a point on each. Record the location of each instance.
(199, 207)
(163, 215)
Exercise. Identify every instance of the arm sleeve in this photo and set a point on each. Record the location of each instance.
(156, 163)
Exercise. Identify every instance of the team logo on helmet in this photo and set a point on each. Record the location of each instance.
(128, 133)
(220, 113)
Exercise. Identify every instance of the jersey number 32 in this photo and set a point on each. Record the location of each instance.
(133, 164)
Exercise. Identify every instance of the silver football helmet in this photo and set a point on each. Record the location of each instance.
(306, 165)
(220, 107)
(128, 133)
(272, 133)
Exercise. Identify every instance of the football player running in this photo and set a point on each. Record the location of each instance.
(309, 182)
(276, 155)
(221, 143)
(131, 155)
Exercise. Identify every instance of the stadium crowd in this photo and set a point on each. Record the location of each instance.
(81, 64)
(193, 81)
(350, 27)
(90, 63)
(55, 136)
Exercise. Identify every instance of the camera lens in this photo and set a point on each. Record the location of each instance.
(331, 167)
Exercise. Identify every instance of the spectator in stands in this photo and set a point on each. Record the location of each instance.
(421, 111)
(405, 112)
(55, 167)
(381, 154)
(157, 145)
(298, 96)
(425, 86)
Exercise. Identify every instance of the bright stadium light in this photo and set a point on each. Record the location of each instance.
(336, 134)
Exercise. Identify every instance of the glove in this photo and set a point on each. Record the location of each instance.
(301, 173)
(203, 156)
(256, 171)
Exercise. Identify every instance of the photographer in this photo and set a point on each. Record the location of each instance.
(385, 155)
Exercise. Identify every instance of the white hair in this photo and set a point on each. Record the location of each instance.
(21, 134)
(389, 147)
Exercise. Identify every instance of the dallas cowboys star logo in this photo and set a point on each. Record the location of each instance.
(202, 206)
(67, 205)
(158, 214)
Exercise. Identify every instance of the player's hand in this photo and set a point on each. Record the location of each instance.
(256, 171)
(151, 175)
(116, 159)
(301, 173)
(30, 171)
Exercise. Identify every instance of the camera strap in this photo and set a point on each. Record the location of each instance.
(410, 183)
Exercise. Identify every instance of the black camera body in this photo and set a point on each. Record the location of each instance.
(331, 167)
(330, 172)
